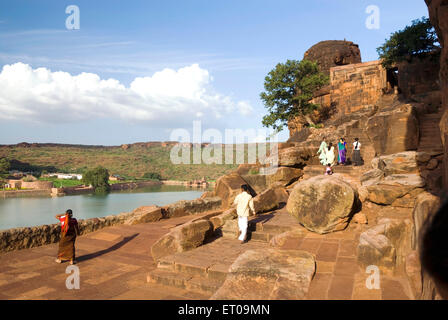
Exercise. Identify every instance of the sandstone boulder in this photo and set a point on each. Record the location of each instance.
(228, 187)
(268, 274)
(394, 131)
(256, 181)
(322, 204)
(393, 187)
(426, 205)
(398, 163)
(375, 248)
(332, 53)
(189, 207)
(219, 220)
(284, 175)
(266, 201)
(291, 157)
(371, 177)
(145, 214)
(182, 238)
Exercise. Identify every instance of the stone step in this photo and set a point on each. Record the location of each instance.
(185, 281)
(261, 236)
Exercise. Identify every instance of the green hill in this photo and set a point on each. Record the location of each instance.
(130, 161)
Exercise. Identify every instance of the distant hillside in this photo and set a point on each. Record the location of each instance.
(130, 160)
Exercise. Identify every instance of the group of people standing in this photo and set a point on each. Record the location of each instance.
(327, 155)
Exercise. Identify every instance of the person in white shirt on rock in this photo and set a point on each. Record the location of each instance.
(244, 203)
(356, 155)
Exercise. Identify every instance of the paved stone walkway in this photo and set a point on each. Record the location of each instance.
(113, 263)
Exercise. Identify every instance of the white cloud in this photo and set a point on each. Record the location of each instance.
(168, 97)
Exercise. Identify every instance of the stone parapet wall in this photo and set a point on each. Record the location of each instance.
(28, 237)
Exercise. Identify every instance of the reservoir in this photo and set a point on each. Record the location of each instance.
(34, 211)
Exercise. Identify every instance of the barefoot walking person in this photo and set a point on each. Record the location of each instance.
(356, 155)
(244, 202)
(69, 231)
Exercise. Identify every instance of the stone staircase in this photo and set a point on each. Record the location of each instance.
(204, 269)
(430, 133)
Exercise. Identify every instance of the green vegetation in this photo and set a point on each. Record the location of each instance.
(289, 87)
(415, 40)
(152, 176)
(130, 164)
(62, 183)
(98, 178)
(5, 165)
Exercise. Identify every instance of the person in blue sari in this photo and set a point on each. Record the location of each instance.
(342, 151)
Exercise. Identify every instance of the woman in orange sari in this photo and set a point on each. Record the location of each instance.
(69, 231)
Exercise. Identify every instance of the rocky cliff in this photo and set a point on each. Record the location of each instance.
(438, 13)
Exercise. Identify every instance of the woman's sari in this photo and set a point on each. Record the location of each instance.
(322, 153)
(68, 236)
(342, 147)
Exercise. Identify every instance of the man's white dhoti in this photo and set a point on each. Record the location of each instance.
(242, 225)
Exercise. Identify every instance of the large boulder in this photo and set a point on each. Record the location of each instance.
(268, 274)
(375, 248)
(386, 245)
(182, 238)
(256, 181)
(332, 53)
(395, 186)
(228, 187)
(190, 207)
(394, 131)
(284, 175)
(292, 157)
(398, 163)
(266, 201)
(145, 214)
(322, 204)
(371, 177)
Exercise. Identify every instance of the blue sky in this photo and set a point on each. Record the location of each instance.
(195, 59)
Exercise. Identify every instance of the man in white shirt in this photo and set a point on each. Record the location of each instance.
(244, 203)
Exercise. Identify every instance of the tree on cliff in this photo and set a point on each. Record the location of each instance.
(98, 178)
(5, 166)
(414, 40)
(289, 87)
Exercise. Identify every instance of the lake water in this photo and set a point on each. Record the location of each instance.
(34, 211)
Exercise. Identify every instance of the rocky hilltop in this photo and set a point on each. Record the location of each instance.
(364, 216)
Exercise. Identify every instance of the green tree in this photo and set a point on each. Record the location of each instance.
(289, 87)
(5, 166)
(98, 178)
(415, 40)
(152, 176)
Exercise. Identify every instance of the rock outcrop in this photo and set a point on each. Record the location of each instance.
(228, 187)
(438, 13)
(394, 131)
(333, 53)
(145, 214)
(268, 274)
(182, 238)
(322, 204)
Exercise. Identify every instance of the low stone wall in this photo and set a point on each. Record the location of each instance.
(133, 185)
(29, 237)
(47, 185)
(24, 193)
